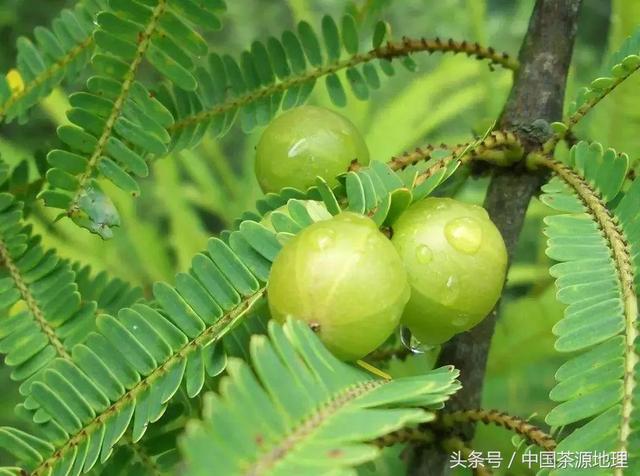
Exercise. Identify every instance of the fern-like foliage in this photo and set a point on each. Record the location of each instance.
(620, 66)
(597, 241)
(138, 360)
(282, 72)
(304, 411)
(43, 315)
(58, 53)
(123, 374)
(157, 451)
(16, 181)
(117, 121)
(110, 294)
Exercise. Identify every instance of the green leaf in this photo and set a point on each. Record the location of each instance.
(262, 63)
(278, 57)
(310, 43)
(167, 66)
(119, 122)
(331, 38)
(347, 410)
(358, 84)
(119, 177)
(590, 240)
(295, 53)
(379, 33)
(371, 76)
(199, 13)
(60, 52)
(350, 34)
(336, 91)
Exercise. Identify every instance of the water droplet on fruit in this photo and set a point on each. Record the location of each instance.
(452, 291)
(323, 238)
(464, 234)
(424, 254)
(410, 342)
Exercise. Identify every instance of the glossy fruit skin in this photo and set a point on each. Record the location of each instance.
(304, 143)
(345, 279)
(456, 261)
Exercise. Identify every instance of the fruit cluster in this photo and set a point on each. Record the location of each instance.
(440, 274)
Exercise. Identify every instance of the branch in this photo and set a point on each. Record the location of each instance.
(598, 95)
(528, 431)
(389, 51)
(501, 148)
(448, 421)
(405, 435)
(537, 93)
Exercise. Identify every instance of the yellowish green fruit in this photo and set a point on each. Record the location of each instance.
(344, 278)
(304, 143)
(456, 261)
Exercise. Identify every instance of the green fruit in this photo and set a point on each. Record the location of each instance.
(304, 143)
(344, 278)
(456, 262)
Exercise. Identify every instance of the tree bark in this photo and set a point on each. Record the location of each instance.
(537, 93)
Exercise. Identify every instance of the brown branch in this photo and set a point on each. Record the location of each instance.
(537, 93)
(528, 431)
(405, 435)
(500, 147)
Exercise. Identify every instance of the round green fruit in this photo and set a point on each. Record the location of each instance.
(345, 279)
(456, 261)
(304, 143)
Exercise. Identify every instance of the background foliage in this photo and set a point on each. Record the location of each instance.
(185, 201)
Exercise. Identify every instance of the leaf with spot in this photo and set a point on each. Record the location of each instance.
(59, 52)
(117, 123)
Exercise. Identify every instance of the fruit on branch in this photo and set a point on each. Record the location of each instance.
(316, 210)
(456, 262)
(304, 143)
(345, 279)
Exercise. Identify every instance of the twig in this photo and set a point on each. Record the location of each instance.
(531, 432)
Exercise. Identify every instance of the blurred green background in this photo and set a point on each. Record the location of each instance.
(196, 194)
